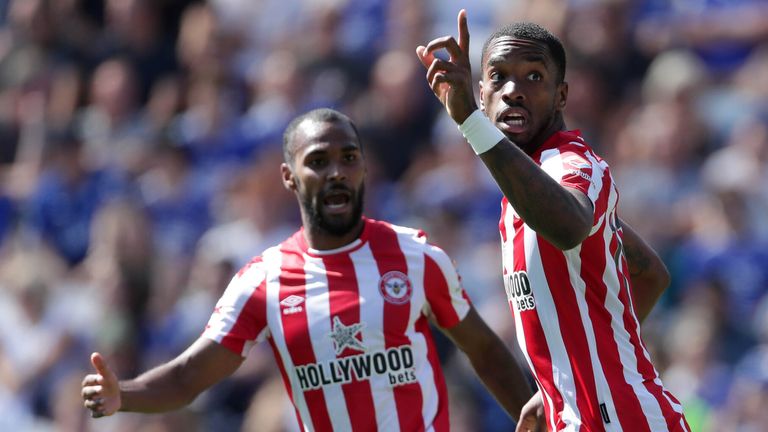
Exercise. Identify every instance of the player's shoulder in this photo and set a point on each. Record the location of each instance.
(411, 238)
(569, 149)
(573, 143)
(258, 265)
(379, 228)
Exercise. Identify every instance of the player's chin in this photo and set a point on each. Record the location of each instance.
(339, 223)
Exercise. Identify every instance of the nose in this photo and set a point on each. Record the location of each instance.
(336, 172)
(511, 92)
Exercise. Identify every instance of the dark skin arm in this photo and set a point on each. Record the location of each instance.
(492, 362)
(561, 215)
(647, 272)
(167, 387)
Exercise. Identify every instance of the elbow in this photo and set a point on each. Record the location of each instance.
(568, 243)
(572, 237)
(663, 277)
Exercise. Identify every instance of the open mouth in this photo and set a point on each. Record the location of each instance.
(514, 120)
(337, 200)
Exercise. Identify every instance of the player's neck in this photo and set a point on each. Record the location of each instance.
(320, 239)
(556, 125)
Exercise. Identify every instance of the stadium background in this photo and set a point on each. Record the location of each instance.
(123, 243)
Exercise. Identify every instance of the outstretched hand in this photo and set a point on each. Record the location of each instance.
(451, 80)
(101, 391)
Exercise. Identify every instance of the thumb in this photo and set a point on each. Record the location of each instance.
(101, 366)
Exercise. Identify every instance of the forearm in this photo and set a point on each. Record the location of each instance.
(504, 379)
(178, 382)
(161, 389)
(545, 206)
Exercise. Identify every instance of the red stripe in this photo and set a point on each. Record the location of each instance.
(286, 380)
(442, 419)
(389, 257)
(344, 303)
(438, 294)
(593, 250)
(628, 409)
(535, 340)
(296, 333)
(644, 365)
(572, 330)
(571, 177)
(250, 322)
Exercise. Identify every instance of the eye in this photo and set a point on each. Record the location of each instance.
(495, 76)
(350, 157)
(534, 76)
(316, 162)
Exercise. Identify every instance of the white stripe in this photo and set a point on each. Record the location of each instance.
(675, 406)
(598, 170)
(319, 323)
(272, 260)
(371, 313)
(508, 254)
(602, 387)
(413, 249)
(626, 349)
(458, 302)
(596, 186)
(545, 309)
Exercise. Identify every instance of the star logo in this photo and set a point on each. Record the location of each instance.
(345, 336)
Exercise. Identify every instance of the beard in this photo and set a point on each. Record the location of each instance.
(334, 225)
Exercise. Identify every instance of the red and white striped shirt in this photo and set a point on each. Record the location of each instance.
(573, 310)
(348, 327)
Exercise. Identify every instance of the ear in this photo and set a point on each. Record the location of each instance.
(482, 105)
(289, 181)
(562, 95)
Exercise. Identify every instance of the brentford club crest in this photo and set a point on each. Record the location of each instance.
(395, 287)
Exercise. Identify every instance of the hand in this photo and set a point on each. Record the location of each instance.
(451, 80)
(532, 415)
(101, 391)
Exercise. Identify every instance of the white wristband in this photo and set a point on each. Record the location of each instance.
(481, 134)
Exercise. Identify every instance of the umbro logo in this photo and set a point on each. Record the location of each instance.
(292, 304)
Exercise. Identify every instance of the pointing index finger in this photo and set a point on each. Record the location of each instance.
(463, 31)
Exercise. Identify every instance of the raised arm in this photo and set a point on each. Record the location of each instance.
(167, 387)
(647, 272)
(562, 216)
(492, 362)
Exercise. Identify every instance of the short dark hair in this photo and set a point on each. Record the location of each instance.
(319, 115)
(533, 32)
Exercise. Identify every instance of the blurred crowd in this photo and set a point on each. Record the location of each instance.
(140, 143)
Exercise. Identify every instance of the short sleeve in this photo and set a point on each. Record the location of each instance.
(576, 169)
(446, 297)
(577, 172)
(239, 319)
